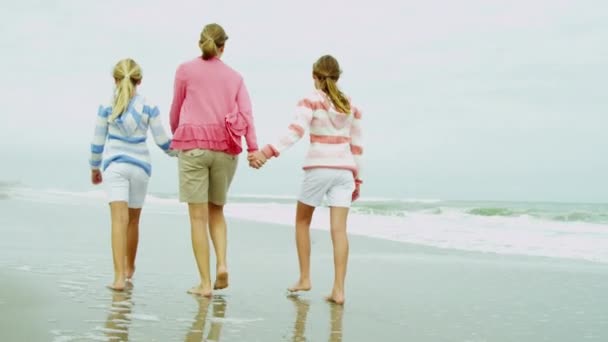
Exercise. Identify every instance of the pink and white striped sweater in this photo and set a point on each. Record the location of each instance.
(335, 138)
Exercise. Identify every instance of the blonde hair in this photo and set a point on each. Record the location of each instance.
(327, 70)
(127, 75)
(213, 38)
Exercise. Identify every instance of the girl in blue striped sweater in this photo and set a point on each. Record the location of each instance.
(119, 149)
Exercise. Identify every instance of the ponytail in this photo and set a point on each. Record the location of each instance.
(127, 74)
(337, 97)
(209, 48)
(327, 70)
(124, 91)
(213, 37)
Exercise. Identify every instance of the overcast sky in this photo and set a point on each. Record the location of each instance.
(501, 100)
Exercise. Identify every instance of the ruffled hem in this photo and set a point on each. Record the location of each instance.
(209, 137)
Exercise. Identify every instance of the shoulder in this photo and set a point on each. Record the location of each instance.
(354, 109)
(141, 105)
(229, 71)
(186, 66)
(104, 111)
(315, 100)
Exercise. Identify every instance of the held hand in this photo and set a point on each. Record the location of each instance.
(96, 177)
(256, 159)
(172, 153)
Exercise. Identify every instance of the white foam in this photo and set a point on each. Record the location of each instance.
(505, 235)
(453, 228)
(71, 287)
(143, 317)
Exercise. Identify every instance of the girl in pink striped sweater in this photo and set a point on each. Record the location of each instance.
(332, 167)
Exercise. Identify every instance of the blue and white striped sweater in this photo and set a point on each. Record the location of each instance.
(124, 139)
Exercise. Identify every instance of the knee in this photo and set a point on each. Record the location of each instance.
(216, 211)
(122, 220)
(198, 216)
(338, 230)
(303, 221)
(215, 208)
(133, 222)
(199, 213)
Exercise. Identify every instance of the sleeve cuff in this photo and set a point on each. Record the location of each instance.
(270, 152)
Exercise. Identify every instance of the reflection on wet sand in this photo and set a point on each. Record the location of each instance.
(335, 325)
(302, 307)
(118, 321)
(197, 330)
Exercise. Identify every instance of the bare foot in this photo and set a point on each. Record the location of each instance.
(221, 280)
(200, 291)
(336, 297)
(301, 285)
(119, 285)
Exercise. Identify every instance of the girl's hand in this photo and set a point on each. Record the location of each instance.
(357, 191)
(96, 177)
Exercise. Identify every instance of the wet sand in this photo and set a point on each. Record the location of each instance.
(55, 261)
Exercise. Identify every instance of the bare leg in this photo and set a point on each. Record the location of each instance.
(338, 217)
(132, 240)
(217, 229)
(303, 218)
(199, 214)
(120, 220)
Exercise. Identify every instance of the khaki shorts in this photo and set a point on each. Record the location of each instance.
(205, 176)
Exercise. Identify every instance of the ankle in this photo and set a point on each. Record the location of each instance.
(305, 280)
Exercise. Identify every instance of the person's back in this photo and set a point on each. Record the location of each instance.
(211, 87)
(210, 114)
(127, 134)
(206, 91)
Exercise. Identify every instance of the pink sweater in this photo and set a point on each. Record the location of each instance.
(335, 138)
(205, 93)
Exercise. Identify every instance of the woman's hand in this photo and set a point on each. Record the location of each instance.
(256, 159)
(96, 177)
(172, 153)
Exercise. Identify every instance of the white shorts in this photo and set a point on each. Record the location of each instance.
(337, 185)
(126, 182)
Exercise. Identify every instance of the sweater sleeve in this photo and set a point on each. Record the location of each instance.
(295, 131)
(244, 106)
(356, 143)
(179, 94)
(156, 127)
(99, 137)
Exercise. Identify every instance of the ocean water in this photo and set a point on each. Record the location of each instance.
(561, 230)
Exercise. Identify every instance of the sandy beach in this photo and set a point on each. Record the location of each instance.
(55, 261)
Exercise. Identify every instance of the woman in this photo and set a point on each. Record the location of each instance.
(211, 110)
